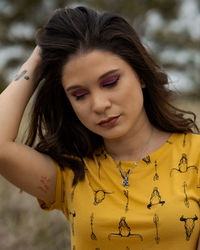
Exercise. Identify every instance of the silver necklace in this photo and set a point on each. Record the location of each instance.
(125, 176)
(125, 182)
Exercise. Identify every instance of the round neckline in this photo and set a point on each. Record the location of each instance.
(154, 154)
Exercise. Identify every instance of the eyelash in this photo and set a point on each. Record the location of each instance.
(108, 85)
(111, 84)
(79, 97)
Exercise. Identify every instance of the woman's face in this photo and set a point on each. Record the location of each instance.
(105, 94)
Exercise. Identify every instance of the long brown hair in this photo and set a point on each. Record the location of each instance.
(69, 32)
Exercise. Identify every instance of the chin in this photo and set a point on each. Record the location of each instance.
(113, 135)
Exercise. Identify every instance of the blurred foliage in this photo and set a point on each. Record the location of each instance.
(20, 19)
(137, 8)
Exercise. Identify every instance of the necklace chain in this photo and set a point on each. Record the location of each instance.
(125, 182)
(125, 177)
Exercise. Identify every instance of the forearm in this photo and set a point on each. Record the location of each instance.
(14, 98)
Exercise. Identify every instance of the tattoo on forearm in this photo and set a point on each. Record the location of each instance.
(23, 73)
(26, 77)
(44, 184)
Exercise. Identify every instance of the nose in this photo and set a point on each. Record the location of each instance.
(100, 103)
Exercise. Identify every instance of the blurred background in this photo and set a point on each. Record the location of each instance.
(170, 30)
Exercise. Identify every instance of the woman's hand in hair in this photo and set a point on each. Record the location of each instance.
(35, 57)
(34, 61)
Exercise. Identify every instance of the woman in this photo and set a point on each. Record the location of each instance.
(110, 151)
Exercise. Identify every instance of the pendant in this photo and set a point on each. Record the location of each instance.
(125, 182)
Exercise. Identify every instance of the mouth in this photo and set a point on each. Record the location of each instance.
(109, 121)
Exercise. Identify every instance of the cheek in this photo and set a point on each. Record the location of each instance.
(85, 120)
(81, 116)
(131, 91)
(133, 98)
(80, 112)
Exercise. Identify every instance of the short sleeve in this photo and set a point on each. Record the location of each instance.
(59, 199)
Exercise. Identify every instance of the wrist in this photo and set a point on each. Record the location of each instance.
(30, 70)
(33, 64)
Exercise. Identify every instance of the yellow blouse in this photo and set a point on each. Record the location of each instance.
(159, 210)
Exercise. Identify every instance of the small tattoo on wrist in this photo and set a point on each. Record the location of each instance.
(23, 73)
(26, 77)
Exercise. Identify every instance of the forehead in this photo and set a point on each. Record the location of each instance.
(89, 66)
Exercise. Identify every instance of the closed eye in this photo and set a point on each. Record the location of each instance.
(79, 94)
(111, 82)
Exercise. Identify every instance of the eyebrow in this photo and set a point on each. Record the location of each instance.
(100, 78)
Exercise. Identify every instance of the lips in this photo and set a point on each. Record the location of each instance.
(109, 122)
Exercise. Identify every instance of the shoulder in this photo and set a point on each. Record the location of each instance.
(186, 139)
(191, 146)
(192, 139)
(194, 136)
(98, 158)
(186, 143)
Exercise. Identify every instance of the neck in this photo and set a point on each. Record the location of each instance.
(132, 147)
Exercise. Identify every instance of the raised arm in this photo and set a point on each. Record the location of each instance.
(26, 168)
